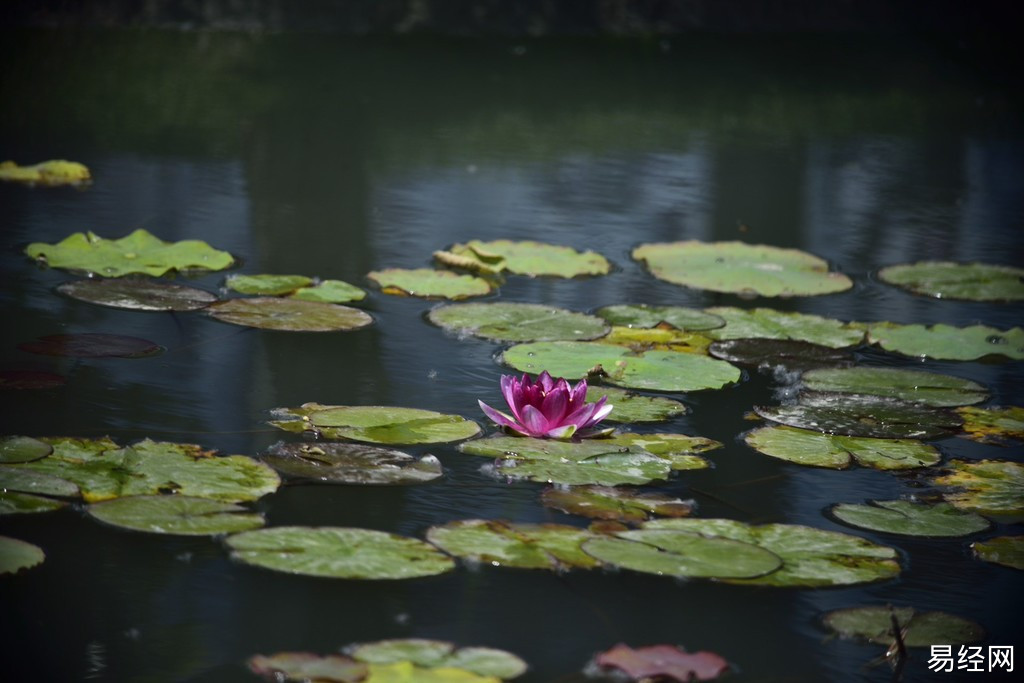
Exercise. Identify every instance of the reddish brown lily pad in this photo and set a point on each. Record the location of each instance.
(30, 379)
(305, 666)
(667, 661)
(92, 345)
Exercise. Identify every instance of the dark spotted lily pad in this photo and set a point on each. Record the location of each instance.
(338, 552)
(805, 447)
(330, 292)
(485, 661)
(618, 503)
(376, 424)
(92, 345)
(875, 417)
(349, 463)
(774, 353)
(911, 519)
(516, 322)
(993, 425)
(946, 342)
(30, 379)
(526, 546)
(139, 252)
(179, 515)
(1005, 550)
(653, 370)
(428, 283)
(768, 323)
(739, 268)
(22, 449)
(925, 388)
(920, 629)
(266, 285)
(531, 258)
(948, 280)
(663, 662)
(16, 555)
(994, 488)
(306, 666)
(631, 407)
(138, 295)
(12, 503)
(291, 315)
(644, 316)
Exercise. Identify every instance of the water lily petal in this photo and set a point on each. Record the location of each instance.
(582, 416)
(601, 411)
(555, 406)
(546, 381)
(579, 393)
(511, 389)
(534, 421)
(500, 418)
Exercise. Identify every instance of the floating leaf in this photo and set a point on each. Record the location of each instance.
(876, 417)
(926, 388)
(28, 480)
(768, 323)
(431, 284)
(663, 661)
(30, 379)
(805, 447)
(619, 503)
(657, 339)
(679, 450)
(291, 315)
(746, 269)
(946, 342)
(653, 370)
(376, 424)
(993, 425)
(305, 666)
(948, 280)
(348, 463)
(911, 519)
(1004, 550)
(526, 546)
(22, 449)
(12, 503)
(137, 295)
(180, 515)
(644, 316)
(485, 661)
(48, 173)
(338, 552)
(407, 672)
(139, 252)
(920, 629)
(267, 285)
(16, 555)
(811, 557)
(786, 353)
(631, 407)
(517, 322)
(330, 292)
(468, 258)
(535, 258)
(92, 345)
(994, 488)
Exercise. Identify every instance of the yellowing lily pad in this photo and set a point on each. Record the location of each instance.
(92, 345)
(639, 340)
(330, 292)
(428, 283)
(376, 424)
(994, 488)
(484, 661)
(48, 173)
(615, 503)
(349, 463)
(139, 252)
(925, 388)
(911, 519)
(290, 315)
(857, 415)
(407, 672)
(179, 515)
(739, 268)
(993, 425)
(22, 449)
(946, 342)
(631, 407)
(16, 555)
(1005, 550)
(338, 552)
(517, 322)
(645, 316)
(535, 258)
(919, 629)
(779, 353)
(949, 280)
(526, 546)
(137, 295)
(805, 447)
(768, 323)
(267, 285)
(306, 666)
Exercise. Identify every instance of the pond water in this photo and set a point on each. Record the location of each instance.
(333, 157)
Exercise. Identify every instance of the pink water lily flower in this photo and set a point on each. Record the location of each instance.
(548, 408)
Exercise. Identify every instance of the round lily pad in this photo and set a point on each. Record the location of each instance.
(290, 315)
(736, 267)
(786, 353)
(138, 295)
(179, 515)
(338, 552)
(877, 417)
(16, 555)
(377, 424)
(486, 661)
(920, 629)
(306, 666)
(618, 503)
(526, 546)
(946, 342)
(349, 463)
(266, 285)
(92, 345)
(534, 258)
(993, 425)
(768, 323)
(139, 252)
(631, 407)
(12, 503)
(30, 379)
(331, 292)
(428, 283)
(27, 480)
(926, 388)
(949, 280)
(517, 322)
(805, 447)
(645, 316)
(22, 449)
(653, 370)
(911, 519)
(1005, 550)
(994, 488)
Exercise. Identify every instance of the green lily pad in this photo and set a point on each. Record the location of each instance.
(645, 316)
(12, 503)
(653, 370)
(330, 292)
(338, 552)
(619, 503)
(526, 546)
(139, 252)
(631, 407)
(679, 450)
(485, 661)
(16, 555)
(179, 515)
(291, 315)
(1005, 550)
(92, 345)
(920, 629)
(376, 424)
(466, 258)
(993, 425)
(305, 666)
(138, 295)
(994, 488)
(678, 553)
(811, 557)
(428, 283)
(739, 268)
(28, 480)
(805, 447)
(768, 323)
(946, 342)
(30, 379)
(22, 449)
(911, 519)
(639, 340)
(948, 280)
(267, 285)
(517, 322)
(876, 417)
(534, 258)
(407, 672)
(103, 470)
(926, 388)
(786, 353)
(349, 463)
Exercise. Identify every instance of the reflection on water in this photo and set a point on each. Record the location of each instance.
(332, 158)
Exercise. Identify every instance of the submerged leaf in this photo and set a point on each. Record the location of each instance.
(346, 463)
(645, 316)
(534, 258)
(805, 447)
(994, 488)
(779, 353)
(993, 425)
(855, 415)
(516, 322)
(92, 345)
(376, 424)
(946, 342)
(618, 503)
(16, 555)
(920, 629)
(137, 295)
(949, 280)
(911, 519)
(926, 388)
(526, 546)
(291, 315)
(664, 662)
(768, 323)
(180, 515)
(1005, 550)
(428, 283)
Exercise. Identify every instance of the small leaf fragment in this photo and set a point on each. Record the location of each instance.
(16, 555)
(1005, 550)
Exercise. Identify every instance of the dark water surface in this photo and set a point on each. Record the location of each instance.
(333, 157)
